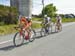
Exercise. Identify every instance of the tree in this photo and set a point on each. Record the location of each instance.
(49, 10)
(12, 15)
(8, 15)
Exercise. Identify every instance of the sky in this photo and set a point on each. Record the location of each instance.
(5, 2)
(63, 6)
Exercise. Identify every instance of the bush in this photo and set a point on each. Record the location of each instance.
(1, 23)
(8, 15)
(10, 21)
(37, 19)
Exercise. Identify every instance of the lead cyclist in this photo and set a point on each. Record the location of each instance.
(25, 23)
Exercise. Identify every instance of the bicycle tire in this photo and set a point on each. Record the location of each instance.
(14, 39)
(42, 32)
(34, 35)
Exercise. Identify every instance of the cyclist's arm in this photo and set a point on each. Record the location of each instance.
(28, 25)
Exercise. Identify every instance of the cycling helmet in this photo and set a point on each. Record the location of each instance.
(23, 19)
(58, 15)
(45, 15)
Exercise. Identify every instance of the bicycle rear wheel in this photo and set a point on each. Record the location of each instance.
(33, 35)
(18, 39)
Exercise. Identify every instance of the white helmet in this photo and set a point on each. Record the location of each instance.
(45, 15)
(29, 17)
(58, 15)
(26, 17)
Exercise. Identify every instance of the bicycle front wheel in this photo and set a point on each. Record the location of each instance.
(18, 39)
(43, 32)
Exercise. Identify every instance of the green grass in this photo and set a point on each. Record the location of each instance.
(64, 20)
(7, 29)
(68, 20)
(36, 25)
(37, 19)
(53, 19)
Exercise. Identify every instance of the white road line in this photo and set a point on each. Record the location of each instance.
(12, 40)
(5, 42)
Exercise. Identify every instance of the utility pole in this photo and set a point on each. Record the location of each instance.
(43, 7)
(24, 6)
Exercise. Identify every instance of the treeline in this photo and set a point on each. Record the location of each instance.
(8, 15)
(49, 10)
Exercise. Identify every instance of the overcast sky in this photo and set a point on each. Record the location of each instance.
(63, 6)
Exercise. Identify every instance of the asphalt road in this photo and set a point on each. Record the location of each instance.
(55, 44)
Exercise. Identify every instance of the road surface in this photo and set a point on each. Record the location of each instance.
(55, 44)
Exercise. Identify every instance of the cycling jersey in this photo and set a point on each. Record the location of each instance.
(25, 22)
(47, 20)
(58, 18)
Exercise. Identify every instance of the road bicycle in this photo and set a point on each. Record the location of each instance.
(58, 27)
(22, 35)
(45, 30)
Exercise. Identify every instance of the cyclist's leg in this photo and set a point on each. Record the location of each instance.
(60, 26)
(56, 26)
(26, 35)
(29, 28)
(46, 28)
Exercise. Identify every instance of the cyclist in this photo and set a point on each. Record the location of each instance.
(25, 23)
(46, 22)
(58, 21)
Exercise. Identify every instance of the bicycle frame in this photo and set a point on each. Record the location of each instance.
(58, 26)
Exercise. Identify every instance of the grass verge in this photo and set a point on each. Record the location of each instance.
(9, 29)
